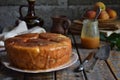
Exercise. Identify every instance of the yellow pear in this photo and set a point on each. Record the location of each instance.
(112, 13)
(103, 15)
(100, 4)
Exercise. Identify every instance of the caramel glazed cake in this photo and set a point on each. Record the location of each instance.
(35, 51)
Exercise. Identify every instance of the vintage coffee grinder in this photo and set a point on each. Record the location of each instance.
(31, 19)
(60, 24)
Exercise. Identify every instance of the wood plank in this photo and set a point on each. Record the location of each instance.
(69, 74)
(100, 71)
(39, 76)
(108, 25)
(7, 74)
(114, 62)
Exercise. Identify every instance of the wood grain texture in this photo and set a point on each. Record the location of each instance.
(114, 62)
(101, 70)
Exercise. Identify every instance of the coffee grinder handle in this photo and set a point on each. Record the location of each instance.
(20, 11)
(66, 25)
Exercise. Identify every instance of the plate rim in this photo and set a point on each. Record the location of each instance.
(72, 61)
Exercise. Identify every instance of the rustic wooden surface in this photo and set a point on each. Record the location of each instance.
(103, 70)
(114, 63)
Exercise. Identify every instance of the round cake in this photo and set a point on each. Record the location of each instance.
(35, 51)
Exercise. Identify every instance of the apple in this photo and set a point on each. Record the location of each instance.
(91, 14)
(103, 15)
(112, 13)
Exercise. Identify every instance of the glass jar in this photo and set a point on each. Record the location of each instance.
(90, 34)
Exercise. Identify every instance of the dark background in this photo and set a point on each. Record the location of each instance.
(73, 9)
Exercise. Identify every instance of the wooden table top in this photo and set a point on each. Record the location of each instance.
(103, 70)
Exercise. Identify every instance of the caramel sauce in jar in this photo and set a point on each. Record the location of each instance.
(90, 34)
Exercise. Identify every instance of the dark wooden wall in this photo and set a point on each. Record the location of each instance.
(73, 9)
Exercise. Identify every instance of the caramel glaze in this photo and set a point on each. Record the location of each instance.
(38, 51)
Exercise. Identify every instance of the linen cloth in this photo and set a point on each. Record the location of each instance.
(21, 28)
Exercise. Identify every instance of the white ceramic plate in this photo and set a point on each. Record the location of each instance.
(73, 59)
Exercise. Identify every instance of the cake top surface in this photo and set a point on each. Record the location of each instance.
(35, 39)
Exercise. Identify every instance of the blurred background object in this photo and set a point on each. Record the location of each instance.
(73, 9)
(31, 19)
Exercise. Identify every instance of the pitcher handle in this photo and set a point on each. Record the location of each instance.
(20, 10)
(66, 25)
